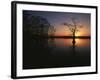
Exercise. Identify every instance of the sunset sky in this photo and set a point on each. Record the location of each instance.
(57, 18)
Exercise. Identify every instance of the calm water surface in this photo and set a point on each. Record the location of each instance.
(56, 52)
(81, 45)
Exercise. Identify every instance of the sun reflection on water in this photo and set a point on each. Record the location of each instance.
(82, 42)
(68, 42)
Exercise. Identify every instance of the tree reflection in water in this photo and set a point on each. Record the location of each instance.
(41, 50)
(73, 42)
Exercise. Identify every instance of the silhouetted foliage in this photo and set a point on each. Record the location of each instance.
(45, 52)
(51, 31)
(35, 25)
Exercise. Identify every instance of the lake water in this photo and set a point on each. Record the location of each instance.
(61, 45)
(56, 52)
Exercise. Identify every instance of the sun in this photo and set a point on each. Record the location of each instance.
(78, 34)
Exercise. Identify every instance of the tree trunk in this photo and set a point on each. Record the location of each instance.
(74, 34)
(73, 38)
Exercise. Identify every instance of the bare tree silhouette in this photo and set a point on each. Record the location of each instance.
(73, 28)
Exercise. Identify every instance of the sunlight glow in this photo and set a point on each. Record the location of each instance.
(78, 34)
(82, 42)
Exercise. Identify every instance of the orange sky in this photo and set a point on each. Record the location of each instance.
(57, 18)
(64, 31)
